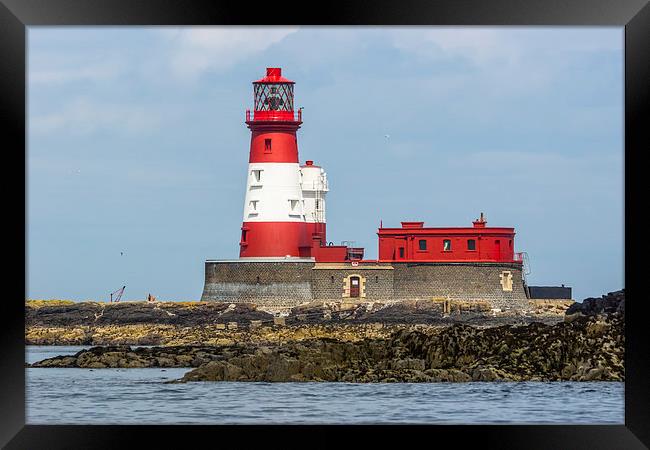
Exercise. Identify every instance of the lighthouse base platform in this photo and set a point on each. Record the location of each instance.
(287, 282)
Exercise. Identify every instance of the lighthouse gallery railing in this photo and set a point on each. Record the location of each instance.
(278, 116)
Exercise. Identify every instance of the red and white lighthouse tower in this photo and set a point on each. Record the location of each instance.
(274, 215)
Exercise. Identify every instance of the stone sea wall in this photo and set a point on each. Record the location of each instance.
(462, 281)
(286, 283)
(269, 283)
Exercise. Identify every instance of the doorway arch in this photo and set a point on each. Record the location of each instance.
(354, 286)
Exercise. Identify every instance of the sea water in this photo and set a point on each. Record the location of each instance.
(141, 396)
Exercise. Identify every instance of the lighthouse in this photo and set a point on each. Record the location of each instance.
(286, 259)
(274, 222)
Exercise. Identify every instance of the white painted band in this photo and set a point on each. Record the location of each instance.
(273, 193)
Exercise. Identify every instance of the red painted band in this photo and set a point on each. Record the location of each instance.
(273, 239)
(273, 146)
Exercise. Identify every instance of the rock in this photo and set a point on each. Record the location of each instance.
(613, 302)
(174, 323)
(68, 314)
(489, 374)
(162, 361)
(408, 363)
(453, 375)
(214, 371)
(597, 373)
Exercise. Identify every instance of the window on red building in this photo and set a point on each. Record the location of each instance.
(423, 244)
(267, 145)
(446, 245)
(471, 244)
(401, 252)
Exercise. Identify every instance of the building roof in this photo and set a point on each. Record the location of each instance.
(549, 292)
(446, 230)
(418, 228)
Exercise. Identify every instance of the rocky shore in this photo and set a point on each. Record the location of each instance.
(211, 323)
(185, 314)
(587, 344)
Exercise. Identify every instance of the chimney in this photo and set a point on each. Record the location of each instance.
(480, 222)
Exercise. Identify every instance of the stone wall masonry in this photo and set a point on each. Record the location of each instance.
(286, 284)
(328, 283)
(264, 283)
(461, 281)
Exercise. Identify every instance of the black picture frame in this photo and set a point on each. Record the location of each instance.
(634, 15)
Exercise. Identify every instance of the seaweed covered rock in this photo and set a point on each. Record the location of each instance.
(584, 350)
(133, 313)
(590, 348)
(612, 303)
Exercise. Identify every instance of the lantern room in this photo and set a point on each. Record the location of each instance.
(273, 98)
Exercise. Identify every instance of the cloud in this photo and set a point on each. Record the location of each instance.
(478, 45)
(184, 53)
(213, 49)
(82, 116)
(481, 45)
(507, 61)
(102, 71)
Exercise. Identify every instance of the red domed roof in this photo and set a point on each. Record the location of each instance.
(274, 75)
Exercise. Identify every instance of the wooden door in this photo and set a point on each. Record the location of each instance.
(354, 286)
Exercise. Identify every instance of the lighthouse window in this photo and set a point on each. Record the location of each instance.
(446, 245)
(267, 145)
(423, 244)
(258, 175)
(253, 204)
(273, 97)
(471, 244)
(294, 204)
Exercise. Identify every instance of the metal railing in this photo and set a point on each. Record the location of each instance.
(296, 116)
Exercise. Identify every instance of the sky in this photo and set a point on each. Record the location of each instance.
(137, 148)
